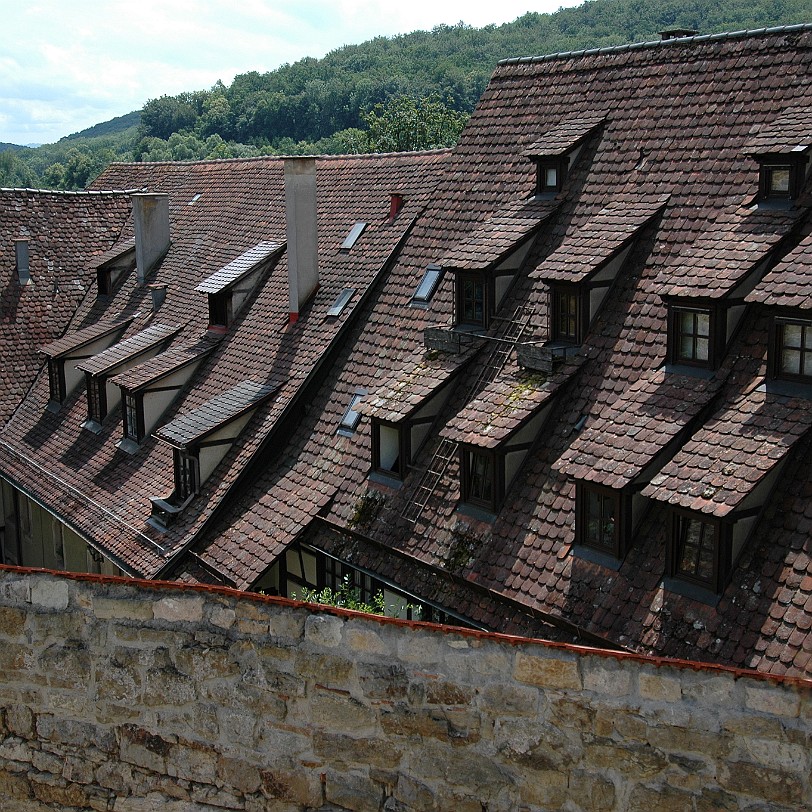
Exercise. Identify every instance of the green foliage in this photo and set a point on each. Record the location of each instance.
(405, 123)
(346, 596)
(322, 105)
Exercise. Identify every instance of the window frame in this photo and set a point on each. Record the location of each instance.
(132, 410)
(186, 462)
(715, 335)
(768, 166)
(681, 522)
(583, 492)
(478, 279)
(56, 380)
(403, 429)
(350, 418)
(581, 317)
(777, 348)
(431, 279)
(543, 165)
(469, 457)
(96, 397)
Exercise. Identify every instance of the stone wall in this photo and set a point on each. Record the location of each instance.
(132, 696)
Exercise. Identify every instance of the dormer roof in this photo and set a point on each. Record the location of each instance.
(115, 252)
(79, 338)
(565, 137)
(132, 347)
(230, 274)
(585, 251)
(721, 465)
(724, 255)
(499, 235)
(194, 426)
(789, 283)
(789, 134)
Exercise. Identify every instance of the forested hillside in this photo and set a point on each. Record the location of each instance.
(350, 101)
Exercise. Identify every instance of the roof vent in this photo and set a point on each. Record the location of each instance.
(395, 205)
(677, 33)
(21, 255)
(158, 291)
(151, 220)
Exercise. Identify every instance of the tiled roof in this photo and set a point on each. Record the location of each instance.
(74, 340)
(132, 347)
(408, 389)
(165, 363)
(565, 136)
(789, 283)
(620, 442)
(790, 132)
(65, 232)
(585, 250)
(499, 235)
(237, 268)
(733, 246)
(503, 407)
(192, 427)
(724, 461)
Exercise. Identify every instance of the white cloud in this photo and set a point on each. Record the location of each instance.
(67, 66)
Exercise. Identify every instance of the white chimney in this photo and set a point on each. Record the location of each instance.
(302, 235)
(21, 255)
(151, 219)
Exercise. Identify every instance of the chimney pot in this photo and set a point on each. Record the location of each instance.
(21, 257)
(158, 290)
(302, 232)
(151, 220)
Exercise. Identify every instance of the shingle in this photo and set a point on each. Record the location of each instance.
(129, 348)
(239, 267)
(74, 340)
(565, 137)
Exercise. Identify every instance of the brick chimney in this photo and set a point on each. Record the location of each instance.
(302, 233)
(395, 205)
(21, 256)
(151, 219)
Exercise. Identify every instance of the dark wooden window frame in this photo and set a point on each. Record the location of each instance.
(404, 450)
(542, 165)
(768, 165)
(487, 284)
(220, 308)
(681, 521)
(579, 294)
(619, 543)
(470, 457)
(187, 474)
(133, 416)
(56, 380)
(777, 346)
(96, 397)
(716, 334)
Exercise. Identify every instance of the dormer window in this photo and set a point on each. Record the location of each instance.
(113, 267)
(390, 448)
(229, 288)
(133, 417)
(780, 179)
(471, 300)
(700, 551)
(187, 474)
(56, 380)
(96, 398)
(550, 176)
(597, 523)
(696, 335)
(483, 478)
(568, 316)
(792, 350)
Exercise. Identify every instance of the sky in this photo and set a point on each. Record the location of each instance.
(69, 64)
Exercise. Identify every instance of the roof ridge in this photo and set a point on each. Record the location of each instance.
(636, 46)
(67, 192)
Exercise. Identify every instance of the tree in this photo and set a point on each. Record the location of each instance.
(405, 123)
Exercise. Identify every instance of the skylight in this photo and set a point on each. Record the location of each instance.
(428, 284)
(352, 237)
(341, 302)
(351, 417)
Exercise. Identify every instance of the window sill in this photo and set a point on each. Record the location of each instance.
(690, 590)
(383, 478)
(596, 557)
(482, 514)
(92, 426)
(128, 446)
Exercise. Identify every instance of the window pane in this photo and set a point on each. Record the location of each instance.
(702, 324)
(696, 554)
(792, 335)
(551, 177)
(702, 349)
(779, 179)
(481, 478)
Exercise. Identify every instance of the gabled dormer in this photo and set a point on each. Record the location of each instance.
(706, 286)
(558, 149)
(485, 264)
(64, 353)
(113, 267)
(229, 288)
(102, 395)
(200, 439)
(580, 272)
(781, 148)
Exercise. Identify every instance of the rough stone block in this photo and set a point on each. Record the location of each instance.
(658, 687)
(364, 641)
(334, 711)
(121, 609)
(547, 672)
(324, 669)
(238, 774)
(661, 797)
(323, 630)
(222, 616)
(606, 676)
(640, 761)
(780, 701)
(379, 752)
(383, 681)
(353, 791)
(50, 594)
(287, 624)
(12, 621)
(21, 721)
(179, 610)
